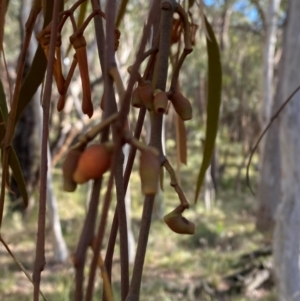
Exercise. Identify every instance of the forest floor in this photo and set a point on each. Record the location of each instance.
(226, 259)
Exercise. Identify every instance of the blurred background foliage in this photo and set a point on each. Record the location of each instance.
(208, 265)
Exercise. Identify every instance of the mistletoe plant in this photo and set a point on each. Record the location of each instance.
(96, 153)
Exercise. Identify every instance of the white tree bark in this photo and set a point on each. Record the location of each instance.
(268, 59)
(269, 184)
(287, 234)
(59, 244)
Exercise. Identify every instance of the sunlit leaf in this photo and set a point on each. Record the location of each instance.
(213, 103)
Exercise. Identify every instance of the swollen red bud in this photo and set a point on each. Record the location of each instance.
(182, 106)
(68, 169)
(160, 101)
(149, 172)
(146, 95)
(178, 223)
(93, 162)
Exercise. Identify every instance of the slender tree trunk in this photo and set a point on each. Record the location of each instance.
(269, 185)
(287, 234)
(59, 244)
(225, 25)
(268, 59)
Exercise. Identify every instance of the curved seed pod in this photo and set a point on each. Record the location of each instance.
(182, 106)
(160, 101)
(93, 162)
(146, 95)
(178, 223)
(149, 172)
(136, 100)
(68, 169)
(79, 44)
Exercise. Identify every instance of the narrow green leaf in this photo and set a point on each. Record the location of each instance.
(13, 160)
(213, 103)
(37, 70)
(32, 80)
(191, 3)
(82, 13)
(18, 175)
(3, 105)
(121, 12)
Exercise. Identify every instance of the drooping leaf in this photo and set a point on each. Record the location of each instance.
(213, 103)
(191, 3)
(3, 105)
(37, 70)
(13, 160)
(82, 13)
(2, 117)
(3, 7)
(18, 175)
(121, 12)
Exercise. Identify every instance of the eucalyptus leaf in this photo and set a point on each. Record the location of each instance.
(13, 160)
(213, 103)
(18, 175)
(3, 105)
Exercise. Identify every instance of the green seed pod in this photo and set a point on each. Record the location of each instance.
(149, 172)
(68, 169)
(136, 100)
(178, 223)
(182, 106)
(160, 101)
(146, 95)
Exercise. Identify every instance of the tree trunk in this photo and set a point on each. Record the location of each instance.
(59, 244)
(287, 234)
(268, 59)
(269, 185)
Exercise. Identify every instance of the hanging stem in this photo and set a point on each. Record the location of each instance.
(87, 233)
(40, 242)
(155, 140)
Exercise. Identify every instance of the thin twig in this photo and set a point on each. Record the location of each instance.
(40, 242)
(20, 265)
(273, 118)
(175, 184)
(156, 141)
